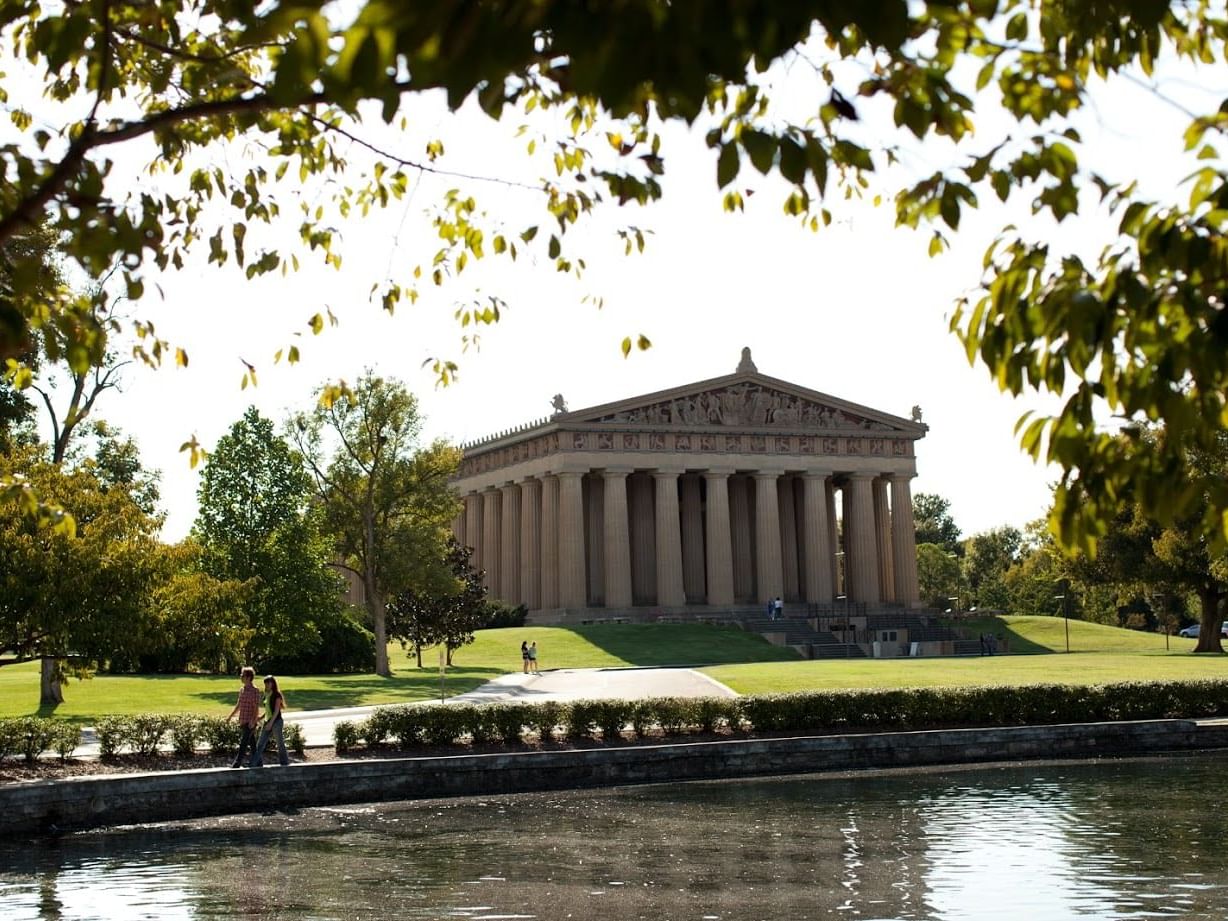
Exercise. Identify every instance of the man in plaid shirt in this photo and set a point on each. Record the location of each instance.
(248, 709)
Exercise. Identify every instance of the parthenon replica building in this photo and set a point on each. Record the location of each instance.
(709, 497)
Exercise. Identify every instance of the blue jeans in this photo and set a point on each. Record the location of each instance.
(247, 739)
(273, 728)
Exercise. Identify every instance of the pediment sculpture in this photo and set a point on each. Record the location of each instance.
(743, 404)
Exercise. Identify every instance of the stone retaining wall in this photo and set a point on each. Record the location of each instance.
(51, 806)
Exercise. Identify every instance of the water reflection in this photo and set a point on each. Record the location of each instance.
(1113, 840)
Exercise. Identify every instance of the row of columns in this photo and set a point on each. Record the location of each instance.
(692, 538)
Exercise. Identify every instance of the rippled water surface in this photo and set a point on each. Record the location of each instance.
(1113, 840)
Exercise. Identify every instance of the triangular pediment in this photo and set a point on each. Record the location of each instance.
(744, 401)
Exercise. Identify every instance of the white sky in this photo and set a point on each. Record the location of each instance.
(858, 311)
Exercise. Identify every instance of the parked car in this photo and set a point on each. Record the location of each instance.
(1191, 632)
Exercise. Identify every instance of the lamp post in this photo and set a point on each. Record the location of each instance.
(1065, 616)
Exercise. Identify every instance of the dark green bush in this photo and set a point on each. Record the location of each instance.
(185, 733)
(65, 737)
(504, 615)
(346, 735)
(143, 732)
(443, 724)
(544, 718)
(611, 716)
(221, 735)
(111, 732)
(579, 719)
(508, 721)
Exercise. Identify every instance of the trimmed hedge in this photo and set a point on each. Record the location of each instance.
(809, 711)
(32, 736)
(143, 734)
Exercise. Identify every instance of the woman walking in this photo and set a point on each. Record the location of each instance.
(274, 704)
(524, 655)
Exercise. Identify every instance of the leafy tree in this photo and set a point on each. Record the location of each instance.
(386, 500)
(426, 618)
(934, 524)
(1147, 555)
(988, 557)
(938, 575)
(196, 621)
(80, 597)
(1140, 332)
(256, 524)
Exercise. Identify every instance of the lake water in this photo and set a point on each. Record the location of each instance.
(1107, 840)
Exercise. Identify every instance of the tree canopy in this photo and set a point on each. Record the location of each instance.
(1140, 332)
(256, 523)
(385, 498)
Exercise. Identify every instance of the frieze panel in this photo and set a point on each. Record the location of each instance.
(743, 405)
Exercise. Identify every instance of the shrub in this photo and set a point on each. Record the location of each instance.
(112, 733)
(8, 737)
(296, 741)
(713, 713)
(673, 714)
(504, 615)
(65, 737)
(346, 735)
(579, 718)
(185, 733)
(443, 724)
(643, 717)
(477, 721)
(611, 716)
(221, 735)
(34, 736)
(544, 718)
(144, 732)
(508, 721)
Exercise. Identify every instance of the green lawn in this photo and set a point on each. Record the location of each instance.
(745, 662)
(493, 653)
(1098, 655)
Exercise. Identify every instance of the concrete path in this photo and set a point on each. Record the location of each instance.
(556, 684)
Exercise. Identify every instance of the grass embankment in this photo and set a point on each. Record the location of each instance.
(745, 662)
(493, 653)
(1037, 647)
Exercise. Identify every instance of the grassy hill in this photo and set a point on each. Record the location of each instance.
(744, 661)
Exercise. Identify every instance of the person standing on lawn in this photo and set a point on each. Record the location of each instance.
(248, 709)
(274, 703)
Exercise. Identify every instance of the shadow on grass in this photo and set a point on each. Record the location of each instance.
(971, 628)
(326, 692)
(681, 644)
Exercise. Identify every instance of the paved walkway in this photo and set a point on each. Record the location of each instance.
(556, 684)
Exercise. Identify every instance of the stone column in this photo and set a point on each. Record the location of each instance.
(473, 529)
(492, 528)
(670, 591)
(882, 538)
(531, 543)
(458, 526)
(817, 581)
(860, 545)
(617, 540)
(833, 538)
(509, 545)
(788, 538)
(717, 540)
(640, 502)
(903, 542)
(550, 542)
(692, 539)
(740, 526)
(573, 593)
(769, 576)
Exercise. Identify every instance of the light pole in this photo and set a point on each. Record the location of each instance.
(1065, 617)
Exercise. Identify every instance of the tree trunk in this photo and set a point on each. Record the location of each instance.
(375, 607)
(51, 693)
(1209, 622)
